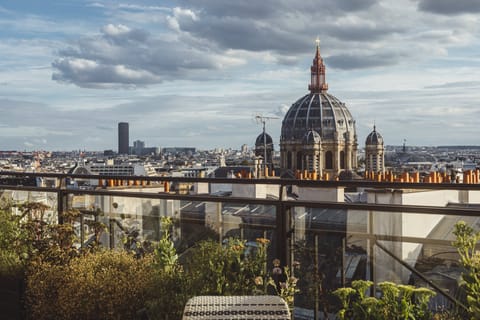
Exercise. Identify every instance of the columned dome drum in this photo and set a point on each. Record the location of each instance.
(374, 152)
(318, 131)
(264, 148)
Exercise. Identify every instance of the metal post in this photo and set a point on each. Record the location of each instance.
(82, 230)
(264, 150)
(62, 204)
(282, 240)
(344, 246)
(371, 253)
(111, 231)
(317, 278)
(219, 222)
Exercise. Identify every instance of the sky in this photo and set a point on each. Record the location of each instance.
(196, 73)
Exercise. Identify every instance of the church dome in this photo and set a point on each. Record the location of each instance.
(374, 138)
(318, 110)
(263, 139)
(311, 137)
(318, 131)
(321, 112)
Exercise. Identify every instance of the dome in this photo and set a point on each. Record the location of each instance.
(260, 141)
(317, 111)
(374, 138)
(318, 131)
(311, 137)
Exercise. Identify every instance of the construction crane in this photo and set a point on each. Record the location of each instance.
(263, 119)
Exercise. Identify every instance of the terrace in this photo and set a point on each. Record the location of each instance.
(339, 231)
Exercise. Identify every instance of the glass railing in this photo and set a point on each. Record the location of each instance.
(337, 232)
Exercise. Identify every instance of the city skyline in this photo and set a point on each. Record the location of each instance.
(195, 73)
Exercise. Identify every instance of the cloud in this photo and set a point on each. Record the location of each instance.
(285, 29)
(281, 110)
(458, 84)
(282, 26)
(184, 64)
(121, 56)
(90, 74)
(449, 7)
(137, 7)
(359, 61)
(95, 5)
(202, 39)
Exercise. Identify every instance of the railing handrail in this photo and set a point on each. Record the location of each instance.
(388, 208)
(271, 181)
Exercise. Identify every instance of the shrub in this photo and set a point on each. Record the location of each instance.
(211, 269)
(43, 283)
(10, 264)
(225, 269)
(170, 288)
(395, 302)
(466, 241)
(10, 251)
(101, 285)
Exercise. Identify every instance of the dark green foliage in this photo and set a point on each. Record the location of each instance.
(466, 241)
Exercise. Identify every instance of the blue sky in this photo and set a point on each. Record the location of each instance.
(196, 72)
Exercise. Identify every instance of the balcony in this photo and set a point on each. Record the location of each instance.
(339, 231)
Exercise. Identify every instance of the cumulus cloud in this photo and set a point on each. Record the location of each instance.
(202, 38)
(122, 56)
(285, 29)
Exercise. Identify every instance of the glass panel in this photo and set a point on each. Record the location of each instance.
(336, 246)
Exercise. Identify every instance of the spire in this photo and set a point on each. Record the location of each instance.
(318, 83)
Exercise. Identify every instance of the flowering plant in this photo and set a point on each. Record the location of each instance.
(395, 302)
(284, 281)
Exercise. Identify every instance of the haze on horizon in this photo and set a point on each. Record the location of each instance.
(196, 72)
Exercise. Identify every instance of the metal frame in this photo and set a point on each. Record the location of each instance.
(283, 207)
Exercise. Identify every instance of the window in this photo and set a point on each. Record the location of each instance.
(328, 160)
(342, 159)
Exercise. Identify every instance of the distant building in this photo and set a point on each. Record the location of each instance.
(110, 168)
(374, 152)
(318, 131)
(264, 148)
(108, 153)
(139, 149)
(244, 148)
(123, 139)
(177, 150)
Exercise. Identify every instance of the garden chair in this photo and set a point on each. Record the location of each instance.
(236, 307)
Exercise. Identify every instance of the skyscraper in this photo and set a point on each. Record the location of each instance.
(123, 140)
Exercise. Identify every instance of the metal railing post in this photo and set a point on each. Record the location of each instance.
(283, 247)
(62, 204)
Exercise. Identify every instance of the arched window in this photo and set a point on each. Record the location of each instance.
(328, 160)
(342, 159)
